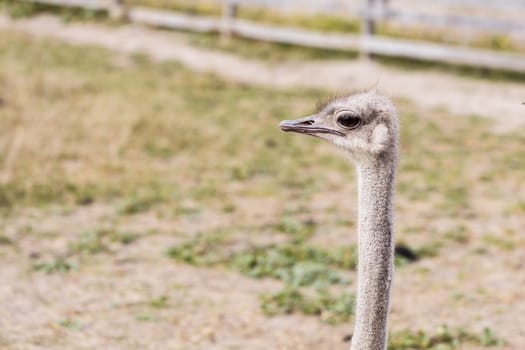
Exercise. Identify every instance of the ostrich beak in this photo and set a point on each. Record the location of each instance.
(308, 125)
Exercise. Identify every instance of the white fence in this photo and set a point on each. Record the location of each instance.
(367, 42)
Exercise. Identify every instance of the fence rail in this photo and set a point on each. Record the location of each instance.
(366, 42)
(87, 4)
(492, 25)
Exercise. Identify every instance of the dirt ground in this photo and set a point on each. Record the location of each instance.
(109, 302)
(215, 308)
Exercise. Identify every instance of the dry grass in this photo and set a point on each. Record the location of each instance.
(107, 161)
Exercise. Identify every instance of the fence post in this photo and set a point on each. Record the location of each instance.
(229, 12)
(117, 10)
(368, 26)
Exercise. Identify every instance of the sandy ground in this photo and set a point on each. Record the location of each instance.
(459, 95)
(216, 308)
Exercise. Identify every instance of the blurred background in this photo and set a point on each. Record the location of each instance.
(148, 199)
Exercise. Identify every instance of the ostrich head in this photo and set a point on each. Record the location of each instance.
(365, 125)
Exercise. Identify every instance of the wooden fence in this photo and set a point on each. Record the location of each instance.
(366, 42)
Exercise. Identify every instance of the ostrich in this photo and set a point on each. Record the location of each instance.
(365, 126)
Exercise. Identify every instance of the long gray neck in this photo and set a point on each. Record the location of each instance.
(376, 251)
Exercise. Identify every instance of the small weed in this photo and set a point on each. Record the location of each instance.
(239, 173)
(444, 339)
(71, 324)
(138, 203)
(145, 316)
(499, 242)
(6, 197)
(331, 308)
(430, 249)
(187, 210)
(99, 240)
(298, 264)
(160, 302)
(480, 251)
(229, 208)
(345, 222)
(205, 191)
(295, 265)
(203, 250)
(90, 242)
(457, 295)
(299, 229)
(4, 240)
(344, 257)
(58, 264)
(459, 234)
(286, 301)
(124, 237)
(488, 338)
(160, 147)
(517, 207)
(456, 199)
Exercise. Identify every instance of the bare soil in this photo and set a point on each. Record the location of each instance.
(110, 298)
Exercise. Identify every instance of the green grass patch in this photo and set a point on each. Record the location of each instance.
(104, 145)
(160, 302)
(295, 263)
(331, 308)
(87, 243)
(145, 316)
(203, 250)
(22, 8)
(56, 265)
(71, 324)
(299, 230)
(459, 234)
(5, 240)
(101, 240)
(90, 242)
(141, 202)
(444, 338)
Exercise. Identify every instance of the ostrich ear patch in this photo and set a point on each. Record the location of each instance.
(380, 138)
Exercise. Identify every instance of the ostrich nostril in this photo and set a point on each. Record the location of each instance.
(306, 122)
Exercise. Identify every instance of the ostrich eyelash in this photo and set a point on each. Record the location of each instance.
(323, 103)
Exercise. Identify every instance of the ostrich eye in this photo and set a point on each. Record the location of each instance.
(349, 121)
